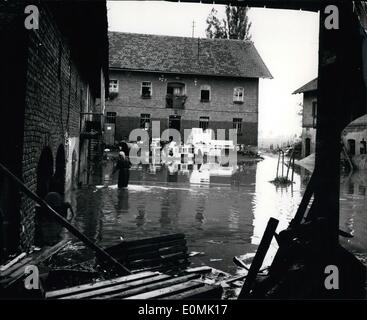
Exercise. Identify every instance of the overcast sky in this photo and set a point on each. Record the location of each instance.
(287, 41)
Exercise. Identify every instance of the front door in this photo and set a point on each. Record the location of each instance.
(175, 123)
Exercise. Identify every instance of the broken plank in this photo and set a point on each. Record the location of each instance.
(174, 289)
(15, 267)
(151, 287)
(117, 288)
(18, 271)
(50, 251)
(98, 285)
(10, 263)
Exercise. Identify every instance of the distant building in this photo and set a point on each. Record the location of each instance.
(309, 113)
(183, 83)
(52, 89)
(354, 136)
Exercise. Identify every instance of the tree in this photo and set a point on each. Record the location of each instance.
(236, 25)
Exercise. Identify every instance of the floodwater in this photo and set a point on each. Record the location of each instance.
(222, 211)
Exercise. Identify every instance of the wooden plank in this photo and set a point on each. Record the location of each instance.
(18, 271)
(98, 285)
(50, 251)
(118, 288)
(66, 224)
(174, 289)
(259, 257)
(151, 287)
(12, 262)
(15, 267)
(206, 292)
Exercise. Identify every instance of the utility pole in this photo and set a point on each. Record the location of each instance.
(193, 28)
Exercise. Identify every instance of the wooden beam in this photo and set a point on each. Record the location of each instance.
(259, 257)
(99, 251)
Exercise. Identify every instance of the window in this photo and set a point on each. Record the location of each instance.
(351, 147)
(314, 113)
(237, 125)
(145, 121)
(114, 86)
(146, 89)
(238, 94)
(205, 93)
(204, 123)
(363, 148)
(111, 117)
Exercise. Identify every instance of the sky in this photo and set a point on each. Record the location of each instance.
(287, 41)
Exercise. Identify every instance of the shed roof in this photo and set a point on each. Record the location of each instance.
(308, 87)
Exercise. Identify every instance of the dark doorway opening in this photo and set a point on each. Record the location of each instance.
(351, 147)
(74, 164)
(307, 147)
(58, 181)
(175, 122)
(44, 172)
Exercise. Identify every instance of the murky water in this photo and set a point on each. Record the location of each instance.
(222, 211)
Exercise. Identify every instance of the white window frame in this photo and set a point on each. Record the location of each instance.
(237, 96)
(115, 87)
(145, 84)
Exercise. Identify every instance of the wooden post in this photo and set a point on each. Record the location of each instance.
(259, 257)
(334, 67)
(99, 251)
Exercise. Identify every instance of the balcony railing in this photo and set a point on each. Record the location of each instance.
(91, 124)
(175, 102)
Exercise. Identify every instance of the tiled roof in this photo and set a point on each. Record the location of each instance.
(167, 54)
(310, 86)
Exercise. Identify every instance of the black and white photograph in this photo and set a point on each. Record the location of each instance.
(208, 151)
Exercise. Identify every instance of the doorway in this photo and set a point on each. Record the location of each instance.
(307, 147)
(44, 172)
(175, 122)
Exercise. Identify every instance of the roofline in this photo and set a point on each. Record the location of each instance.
(301, 90)
(187, 74)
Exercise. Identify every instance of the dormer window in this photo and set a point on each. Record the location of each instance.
(205, 93)
(114, 86)
(146, 89)
(238, 94)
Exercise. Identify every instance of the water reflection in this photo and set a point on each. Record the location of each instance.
(222, 210)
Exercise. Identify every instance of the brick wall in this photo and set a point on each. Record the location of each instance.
(55, 95)
(221, 109)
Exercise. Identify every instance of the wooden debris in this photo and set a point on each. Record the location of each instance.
(17, 270)
(157, 253)
(144, 285)
(10, 263)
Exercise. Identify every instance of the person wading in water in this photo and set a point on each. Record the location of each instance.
(123, 165)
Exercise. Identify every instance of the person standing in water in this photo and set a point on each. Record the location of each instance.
(123, 165)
